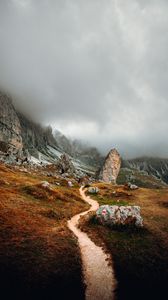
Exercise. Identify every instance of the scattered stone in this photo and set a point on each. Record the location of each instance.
(45, 184)
(119, 215)
(93, 190)
(49, 174)
(70, 184)
(24, 170)
(111, 167)
(131, 186)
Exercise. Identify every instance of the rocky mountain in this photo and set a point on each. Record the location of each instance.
(75, 148)
(22, 138)
(10, 128)
(35, 137)
(157, 167)
(64, 143)
(111, 167)
(26, 138)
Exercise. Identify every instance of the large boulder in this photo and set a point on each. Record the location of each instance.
(111, 167)
(119, 215)
(93, 190)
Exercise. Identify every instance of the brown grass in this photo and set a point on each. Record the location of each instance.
(140, 255)
(38, 254)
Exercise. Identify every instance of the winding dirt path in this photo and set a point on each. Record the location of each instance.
(98, 273)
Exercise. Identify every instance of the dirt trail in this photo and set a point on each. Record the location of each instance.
(98, 273)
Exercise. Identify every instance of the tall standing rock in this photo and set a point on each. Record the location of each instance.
(111, 167)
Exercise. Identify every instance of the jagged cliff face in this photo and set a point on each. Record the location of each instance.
(10, 129)
(111, 167)
(63, 142)
(35, 137)
(17, 132)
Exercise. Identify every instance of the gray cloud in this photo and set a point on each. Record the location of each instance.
(95, 69)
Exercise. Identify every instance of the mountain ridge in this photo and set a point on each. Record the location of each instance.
(40, 143)
(155, 166)
(24, 137)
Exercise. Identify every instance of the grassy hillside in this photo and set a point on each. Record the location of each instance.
(39, 256)
(140, 256)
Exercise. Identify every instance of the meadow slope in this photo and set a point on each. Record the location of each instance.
(39, 256)
(140, 256)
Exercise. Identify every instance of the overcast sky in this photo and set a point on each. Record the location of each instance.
(94, 69)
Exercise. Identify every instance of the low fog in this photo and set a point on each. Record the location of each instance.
(96, 70)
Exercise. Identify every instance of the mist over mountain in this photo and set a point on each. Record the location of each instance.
(22, 139)
(95, 70)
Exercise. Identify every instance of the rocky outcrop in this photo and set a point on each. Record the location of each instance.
(65, 165)
(10, 128)
(119, 215)
(111, 167)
